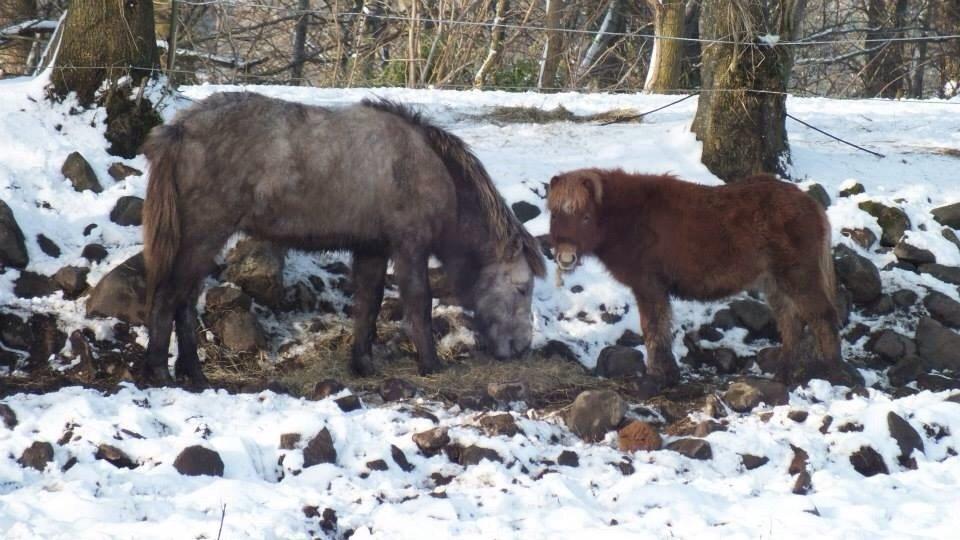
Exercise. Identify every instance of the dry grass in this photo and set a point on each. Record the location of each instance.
(534, 115)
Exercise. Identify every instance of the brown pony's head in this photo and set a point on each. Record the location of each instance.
(575, 225)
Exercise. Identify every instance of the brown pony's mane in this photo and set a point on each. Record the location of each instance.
(469, 172)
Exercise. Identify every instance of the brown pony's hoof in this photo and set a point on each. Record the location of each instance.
(665, 378)
(155, 376)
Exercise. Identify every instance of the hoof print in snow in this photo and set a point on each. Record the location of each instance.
(594, 413)
(617, 361)
(868, 462)
(320, 449)
(34, 285)
(395, 389)
(121, 171)
(256, 266)
(72, 280)
(499, 424)
(324, 389)
(48, 246)
(289, 441)
(473, 455)
(893, 221)
(568, 458)
(865, 238)
(349, 403)
(509, 392)
(692, 448)
(128, 211)
(13, 249)
(745, 395)
(430, 442)
(400, 459)
(639, 436)
(94, 253)
(948, 215)
(944, 309)
(198, 461)
(8, 417)
(524, 211)
(907, 252)
(36, 456)
(860, 276)
(121, 293)
(908, 440)
(78, 171)
(751, 462)
(114, 456)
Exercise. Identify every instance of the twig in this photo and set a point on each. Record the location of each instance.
(223, 514)
(834, 137)
(641, 115)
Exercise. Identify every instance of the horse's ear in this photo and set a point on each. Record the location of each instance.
(554, 180)
(516, 247)
(591, 181)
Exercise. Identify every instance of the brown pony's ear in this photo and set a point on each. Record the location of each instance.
(591, 181)
(554, 180)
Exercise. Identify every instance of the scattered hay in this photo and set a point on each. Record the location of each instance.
(535, 115)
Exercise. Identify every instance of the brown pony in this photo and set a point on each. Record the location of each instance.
(664, 237)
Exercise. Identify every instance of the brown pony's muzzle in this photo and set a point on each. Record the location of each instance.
(566, 255)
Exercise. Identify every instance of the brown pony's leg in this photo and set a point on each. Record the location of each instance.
(790, 327)
(159, 326)
(410, 267)
(369, 273)
(658, 334)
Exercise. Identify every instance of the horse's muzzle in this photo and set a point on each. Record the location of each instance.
(567, 258)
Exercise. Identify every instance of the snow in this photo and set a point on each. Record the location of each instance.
(668, 495)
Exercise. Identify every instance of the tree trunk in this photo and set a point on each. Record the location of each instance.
(300, 43)
(742, 113)
(495, 50)
(611, 21)
(104, 40)
(921, 57)
(553, 48)
(664, 72)
(884, 74)
(412, 46)
(15, 52)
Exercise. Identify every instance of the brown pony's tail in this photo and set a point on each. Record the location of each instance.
(161, 218)
(826, 266)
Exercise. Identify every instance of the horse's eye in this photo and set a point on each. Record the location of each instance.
(522, 291)
(586, 218)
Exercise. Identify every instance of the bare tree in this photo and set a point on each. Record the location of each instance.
(553, 48)
(884, 74)
(612, 23)
(496, 43)
(15, 48)
(664, 71)
(300, 42)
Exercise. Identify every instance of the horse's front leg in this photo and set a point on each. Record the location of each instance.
(369, 273)
(410, 267)
(655, 321)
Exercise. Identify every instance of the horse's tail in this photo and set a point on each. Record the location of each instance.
(161, 218)
(826, 264)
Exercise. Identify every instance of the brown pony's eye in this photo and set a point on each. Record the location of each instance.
(586, 218)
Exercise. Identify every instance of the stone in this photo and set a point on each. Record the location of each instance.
(72, 280)
(617, 361)
(13, 248)
(48, 246)
(320, 449)
(746, 394)
(937, 345)
(946, 274)
(756, 317)
(865, 238)
(818, 194)
(289, 441)
(568, 458)
(857, 274)
(907, 252)
(893, 221)
(639, 436)
(525, 211)
(751, 462)
(395, 389)
(475, 401)
(256, 266)
(803, 483)
(121, 171)
(944, 309)
(431, 441)
(114, 456)
(951, 236)
(908, 440)
(799, 461)
(798, 416)
(324, 389)
(509, 392)
(197, 460)
(34, 285)
(868, 462)
(904, 298)
(692, 448)
(46, 338)
(8, 417)
(121, 293)
(629, 338)
(706, 427)
(94, 253)
(220, 299)
(128, 211)
(78, 171)
(400, 459)
(349, 403)
(891, 346)
(239, 332)
(855, 188)
(36, 456)
(499, 424)
(377, 465)
(473, 455)
(948, 215)
(594, 413)
(936, 383)
(559, 350)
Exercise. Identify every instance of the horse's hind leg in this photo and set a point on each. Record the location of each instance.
(369, 273)
(790, 327)
(655, 320)
(187, 367)
(410, 267)
(159, 325)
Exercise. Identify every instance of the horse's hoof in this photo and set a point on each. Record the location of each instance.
(665, 378)
(362, 366)
(193, 380)
(428, 368)
(158, 376)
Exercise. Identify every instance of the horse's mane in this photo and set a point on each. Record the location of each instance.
(468, 171)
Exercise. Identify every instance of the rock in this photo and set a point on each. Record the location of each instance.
(473, 455)
(594, 413)
(707, 332)
(36, 456)
(94, 253)
(299, 297)
(818, 194)
(803, 484)
(857, 274)
(128, 122)
(221, 299)
(121, 293)
(13, 249)
(400, 459)
(198, 461)
(395, 389)
(48, 246)
(946, 274)
(499, 424)
(289, 441)
(799, 461)
(751, 462)
(948, 215)
(868, 462)
(475, 401)
(509, 392)
(128, 211)
(78, 171)
(907, 439)
(909, 253)
(904, 298)
(864, 238)
(121, 171)
(707, 427)
(893, 221)
(256, 266)
(558, 349)
(951, 236)
(46, 338)
(617, 361)
(853, 189)
(798, 416)
(639, 436)
(525, 211)
(72, 280)
(756, 317)
(377, 465)
(431, 441)
(744, 395)
(629, 338)
(8, 417)
(325, 388)
(33, 285)
(239, 332)
(349, 403)
(568, 458)
(944, 309)
(937, 383)
(856, 333)
(891, 346)
(320, 449)
(114, 456)
(692, 448)
(938, 346)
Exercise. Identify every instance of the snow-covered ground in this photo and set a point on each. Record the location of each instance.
(667, 495)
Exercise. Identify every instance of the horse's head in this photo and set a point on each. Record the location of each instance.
(575, 225)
